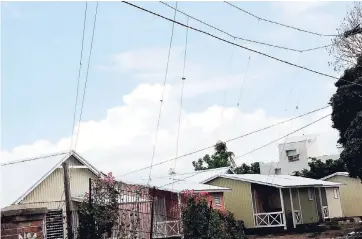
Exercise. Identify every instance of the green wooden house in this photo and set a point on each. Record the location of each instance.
(278, 200)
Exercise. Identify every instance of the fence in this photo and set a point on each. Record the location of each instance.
(143, 212)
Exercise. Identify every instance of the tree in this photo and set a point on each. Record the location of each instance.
(347, 117)
(254, 168)
(347, 45)
(221, 158)
(319, 169)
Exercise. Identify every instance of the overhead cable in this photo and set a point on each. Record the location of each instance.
(276, 140)
(242, 38)
(79, 71)
(280, 24)
(86, 76)
(229, 140)
(162, 96)
(240, 46)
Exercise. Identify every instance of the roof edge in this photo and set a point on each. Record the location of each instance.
(335, 174)
(66, 157)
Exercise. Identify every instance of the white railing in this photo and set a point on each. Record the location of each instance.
(270, 219)
(325, 212)
(297, 216)
(166, 229)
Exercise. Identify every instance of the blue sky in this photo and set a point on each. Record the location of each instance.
(41, 48)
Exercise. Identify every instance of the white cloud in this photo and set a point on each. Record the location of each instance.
(123, 140)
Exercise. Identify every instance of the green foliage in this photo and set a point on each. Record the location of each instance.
(318, 169)
(221, 158)
(99, 217)
(201, 221)
(254, 168)
(347, 117)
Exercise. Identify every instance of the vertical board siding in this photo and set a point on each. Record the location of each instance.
(295, 199)
(238, 201)
(309, 208)
(51, 190)
(334, 204)
(350, 195)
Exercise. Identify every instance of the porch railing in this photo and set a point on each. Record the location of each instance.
(166, 229)
(297, 216)
(325, 212)
(270, 219)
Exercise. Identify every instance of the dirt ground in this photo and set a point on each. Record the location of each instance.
(341, 233)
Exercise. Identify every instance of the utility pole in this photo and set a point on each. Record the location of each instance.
(68, 203)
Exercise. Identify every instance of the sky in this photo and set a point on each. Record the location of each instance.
(40, 55)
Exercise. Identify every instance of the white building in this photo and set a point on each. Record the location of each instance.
(294, 155)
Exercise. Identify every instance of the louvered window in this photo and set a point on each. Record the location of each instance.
(54, 224)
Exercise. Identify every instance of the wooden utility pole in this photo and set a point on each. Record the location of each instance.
(68, 202)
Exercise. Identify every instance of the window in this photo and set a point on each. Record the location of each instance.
(292, 155)
(336, 193)
(310, 194)
(217, 200)
(278, 171)
(54, 224)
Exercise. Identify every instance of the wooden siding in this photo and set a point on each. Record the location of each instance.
(51, 190)
(238, 201)
(295, 199)
(334, 204)
(309, 207)
(350, 193)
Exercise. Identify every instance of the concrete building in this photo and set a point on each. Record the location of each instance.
(294, 155)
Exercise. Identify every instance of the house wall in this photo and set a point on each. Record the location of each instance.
(350, 193)
(238, 201)
(334, 204)
(309, 207)
(51, 190)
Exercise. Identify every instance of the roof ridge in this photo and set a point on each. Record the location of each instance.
(34, 158)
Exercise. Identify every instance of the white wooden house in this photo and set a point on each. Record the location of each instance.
(38, 183)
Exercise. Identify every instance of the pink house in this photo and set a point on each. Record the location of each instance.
(168, 194)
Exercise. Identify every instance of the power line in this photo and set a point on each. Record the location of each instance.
(86, 77)
(243, 47)
(276, 140)
(163, 93)
(280, 24)
(243, 83)
(181, 97)
(242, 38)
(229, 140)
(79, 71)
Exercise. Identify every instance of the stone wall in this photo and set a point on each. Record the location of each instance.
(23, 223)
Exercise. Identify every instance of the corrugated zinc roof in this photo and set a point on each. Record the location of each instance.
(336, 174)
(18, 177)
(175, 185)
(199, 176)
(281, 181)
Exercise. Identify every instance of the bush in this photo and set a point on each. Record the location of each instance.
(199, 220)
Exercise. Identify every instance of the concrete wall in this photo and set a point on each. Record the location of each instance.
(350, 194)
(334, 204)
(289, 167)
(238, 201)
(25, 223)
